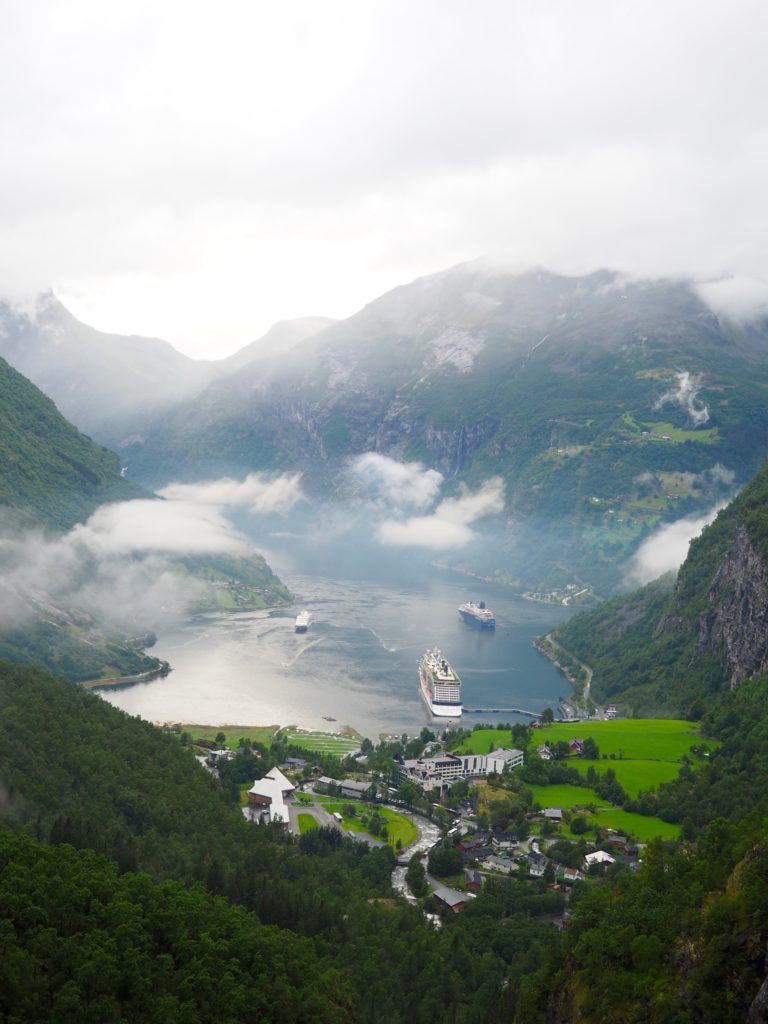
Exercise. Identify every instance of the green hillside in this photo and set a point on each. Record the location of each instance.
(50, 473)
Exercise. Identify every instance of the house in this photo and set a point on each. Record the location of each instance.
(501, 864)
(295, 763)
(326, 785)
(576, 746)
(610, 710)
(572, 875)
(544, 752)
(473, 880)
(553, 814)
(453, 900)
(505, 840)
(217, 756)
(349, 787)
(598, 857)
(268, 798)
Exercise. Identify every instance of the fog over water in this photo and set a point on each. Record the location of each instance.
(357, 664)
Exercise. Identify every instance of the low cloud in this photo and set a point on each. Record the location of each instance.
(449, 526)
(399, 485)
(667, 548)
(686, 396)
(118, 566)
(257, 493)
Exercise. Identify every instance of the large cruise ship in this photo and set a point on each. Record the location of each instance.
(477, 615)
(440, 685)
(303, 620)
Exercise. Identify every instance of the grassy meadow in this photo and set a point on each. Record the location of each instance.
(642, 827)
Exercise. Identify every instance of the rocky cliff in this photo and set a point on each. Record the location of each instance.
(735, 625)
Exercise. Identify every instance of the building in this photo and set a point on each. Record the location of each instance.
(453, 900)
(349, 787)
(443, 770)
(268, 798)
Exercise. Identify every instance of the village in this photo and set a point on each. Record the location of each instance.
(456, 821)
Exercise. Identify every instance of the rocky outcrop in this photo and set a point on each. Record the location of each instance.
(735, 625)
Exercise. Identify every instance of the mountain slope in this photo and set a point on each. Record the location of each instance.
(606, 406)
(49, 471)
(665, 648)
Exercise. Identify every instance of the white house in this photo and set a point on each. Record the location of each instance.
(268, 797)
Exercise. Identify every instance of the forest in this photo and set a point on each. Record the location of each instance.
(137, 833)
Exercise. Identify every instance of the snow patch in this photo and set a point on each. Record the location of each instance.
(456, 347)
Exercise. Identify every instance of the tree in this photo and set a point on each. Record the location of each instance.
(416, 877)
(579, 825)
(220, 738)
(547, 716)
(591, 751)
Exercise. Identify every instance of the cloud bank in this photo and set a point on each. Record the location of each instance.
(258, 493)
(400, 485)
(449, 526)
(667, 548)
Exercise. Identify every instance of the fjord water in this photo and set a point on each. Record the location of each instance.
(357, 664)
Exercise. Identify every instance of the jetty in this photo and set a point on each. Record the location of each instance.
(502, 711)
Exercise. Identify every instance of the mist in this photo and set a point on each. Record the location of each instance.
(685, 395)
(666, 549)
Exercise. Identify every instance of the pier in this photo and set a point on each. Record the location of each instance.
(502, 711)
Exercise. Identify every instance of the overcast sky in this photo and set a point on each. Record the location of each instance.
(196, 171)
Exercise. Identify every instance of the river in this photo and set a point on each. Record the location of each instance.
(357, 664)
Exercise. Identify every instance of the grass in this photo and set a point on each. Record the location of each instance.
(635, 775)
(645, 739)
(255, 733)
(322, 742)
(679, 434)
(398, 825)
(306, 822)
(642, 827)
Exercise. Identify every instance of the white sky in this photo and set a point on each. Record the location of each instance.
(197, 171)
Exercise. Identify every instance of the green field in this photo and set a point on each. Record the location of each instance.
(647, 739)
(398, 825)
(306, 822)
(234, 733)
(321, 742)
(633, 776)
(642, 827)
(678, 434)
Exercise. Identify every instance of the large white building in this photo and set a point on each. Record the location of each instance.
(443, 770)
(267, 798)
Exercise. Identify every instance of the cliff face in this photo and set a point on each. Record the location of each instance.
(735, 625)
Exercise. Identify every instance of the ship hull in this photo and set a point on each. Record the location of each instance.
(478, 623)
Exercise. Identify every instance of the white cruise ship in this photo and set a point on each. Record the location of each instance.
(440, 685)
(303, 620)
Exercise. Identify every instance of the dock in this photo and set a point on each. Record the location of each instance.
(502, 711)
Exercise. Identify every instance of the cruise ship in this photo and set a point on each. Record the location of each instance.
(477, 615)
(440, 685)
(302, 621)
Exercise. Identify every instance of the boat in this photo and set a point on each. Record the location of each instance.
(303, 620)
(477, 615)
(440, 685)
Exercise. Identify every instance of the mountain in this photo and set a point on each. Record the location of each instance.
(673, 644)
(278, 340)
(50, 473)
(113, 385)
(606, 405)
(102, 382)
